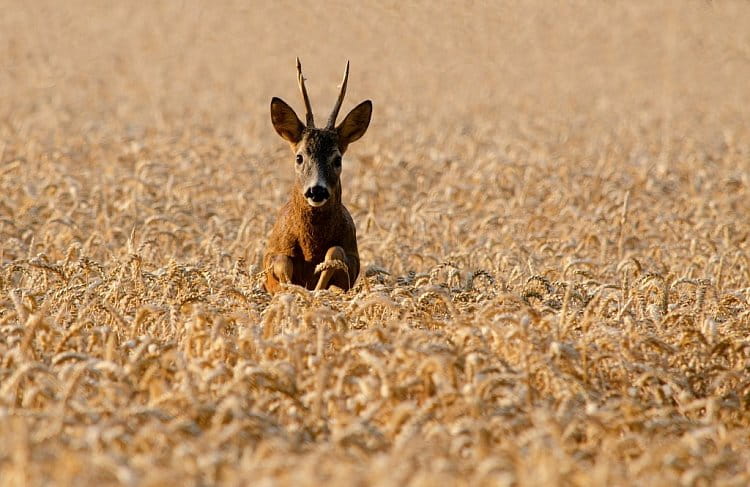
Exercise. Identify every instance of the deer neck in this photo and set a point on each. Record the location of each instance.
(311, 215)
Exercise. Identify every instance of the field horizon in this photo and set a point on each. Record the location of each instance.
(552, 212)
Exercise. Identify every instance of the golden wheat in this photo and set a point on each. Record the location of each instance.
(552, 214)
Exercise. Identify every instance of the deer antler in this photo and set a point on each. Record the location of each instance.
(308, 108)
(337, 106)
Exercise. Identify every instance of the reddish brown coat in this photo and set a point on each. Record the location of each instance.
(305, 234)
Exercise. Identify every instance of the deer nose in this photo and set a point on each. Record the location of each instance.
(317, 193)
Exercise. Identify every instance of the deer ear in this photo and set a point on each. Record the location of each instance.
(355, 124)
(285, 121)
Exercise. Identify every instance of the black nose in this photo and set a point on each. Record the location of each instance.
(317, 193)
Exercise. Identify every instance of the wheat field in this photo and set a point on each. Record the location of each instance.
(552, 207)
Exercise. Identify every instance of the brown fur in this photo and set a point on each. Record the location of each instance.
(306, 234)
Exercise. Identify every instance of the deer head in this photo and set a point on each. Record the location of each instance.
(318, 151)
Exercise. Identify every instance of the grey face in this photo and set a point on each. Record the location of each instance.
(318, 165)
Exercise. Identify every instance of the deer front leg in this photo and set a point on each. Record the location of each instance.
(335, 262)
(280, 269)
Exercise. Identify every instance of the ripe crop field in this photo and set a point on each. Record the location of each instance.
(552, 209)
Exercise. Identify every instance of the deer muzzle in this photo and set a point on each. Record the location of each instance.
(317, 195)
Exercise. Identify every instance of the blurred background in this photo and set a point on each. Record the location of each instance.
(102, 67)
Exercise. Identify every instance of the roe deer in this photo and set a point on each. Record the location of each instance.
(314, 233)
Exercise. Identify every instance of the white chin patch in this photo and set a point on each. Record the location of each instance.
(316, 204)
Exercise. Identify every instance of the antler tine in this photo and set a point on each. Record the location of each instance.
(308, 108)
(337, 106)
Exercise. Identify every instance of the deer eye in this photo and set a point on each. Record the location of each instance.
(337, 161)
(299, 159)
